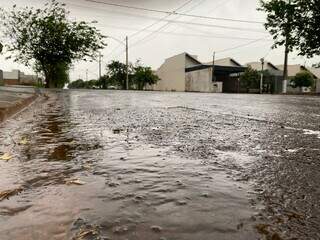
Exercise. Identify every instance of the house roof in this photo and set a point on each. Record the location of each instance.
(193, 58)
(226, 62)
(294, 69)
(257, 65)
(315, 71)
(219, 70)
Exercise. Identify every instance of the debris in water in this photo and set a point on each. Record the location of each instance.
(6, 157)
(75, 182)
(206, 195)
(8, 193)
(116, 131)
(156, 228)
(120, 229)
(84, 233)
(181, 202)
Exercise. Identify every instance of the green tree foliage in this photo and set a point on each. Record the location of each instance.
(47, 39)
(295, 23)
(281, 21)
(250, 79)
(77, 84)
(143, 76)
(302, 79)
(103, 82)
(80, 84)
(309, 27)
(116, 74)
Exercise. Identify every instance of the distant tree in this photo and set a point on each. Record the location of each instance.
(302, 79)
(250, 79)
(92, 84)
(48, 39)
(116, 72)
(143, 76)
(103, 82)
(77, 84)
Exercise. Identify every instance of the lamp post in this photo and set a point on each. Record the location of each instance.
(261, 79)
(127, 57)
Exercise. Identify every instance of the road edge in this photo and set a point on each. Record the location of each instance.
(7, 112)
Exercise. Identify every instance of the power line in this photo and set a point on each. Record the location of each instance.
(160, 20)
(174, 12)
(240, 46)
(207, 35)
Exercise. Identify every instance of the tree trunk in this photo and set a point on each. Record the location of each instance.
(285, 68)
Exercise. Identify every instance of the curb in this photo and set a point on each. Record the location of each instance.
(7, 112)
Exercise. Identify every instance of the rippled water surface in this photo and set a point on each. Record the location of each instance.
(165, 166)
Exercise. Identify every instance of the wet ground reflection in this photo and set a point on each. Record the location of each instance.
(113, 165)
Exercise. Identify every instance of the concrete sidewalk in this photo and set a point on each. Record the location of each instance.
(15, 98)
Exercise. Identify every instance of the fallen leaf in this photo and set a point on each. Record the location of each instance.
(6, 157)
(8, 193)
(24, 141)
(75, 182)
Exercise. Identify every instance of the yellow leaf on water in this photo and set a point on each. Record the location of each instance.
(24, 141)
(6, 157)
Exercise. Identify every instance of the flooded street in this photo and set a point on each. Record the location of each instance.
(163, 166)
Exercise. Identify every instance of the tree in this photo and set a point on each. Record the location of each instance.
(302, 79)
(1, 47)
(116, 72)
(47, 39)
(143, 76)
(77, 84)
(309, 27)
(250, 79)
(282, 22)
(103, 82)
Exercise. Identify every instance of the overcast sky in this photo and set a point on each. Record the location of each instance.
(173, 34)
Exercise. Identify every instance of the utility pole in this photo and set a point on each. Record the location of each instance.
(213, 61)
(127, 64)
(87, 75)
(99, 65)
(261, 79)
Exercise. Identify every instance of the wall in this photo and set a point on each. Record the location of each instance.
(201, 81)
(172, 74)
(11, 78)
(318, 86)
(28, 79)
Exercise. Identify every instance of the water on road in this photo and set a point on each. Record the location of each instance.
(150, 165)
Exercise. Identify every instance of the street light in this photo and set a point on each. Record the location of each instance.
(127, 57)
(261, 79)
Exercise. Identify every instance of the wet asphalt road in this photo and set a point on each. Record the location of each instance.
(151, 165)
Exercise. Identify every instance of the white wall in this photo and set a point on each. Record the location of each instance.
(14, 74)
(201, 81)
(28, 79)
(172, 74)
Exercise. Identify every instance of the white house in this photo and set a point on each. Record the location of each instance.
(185, 73)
